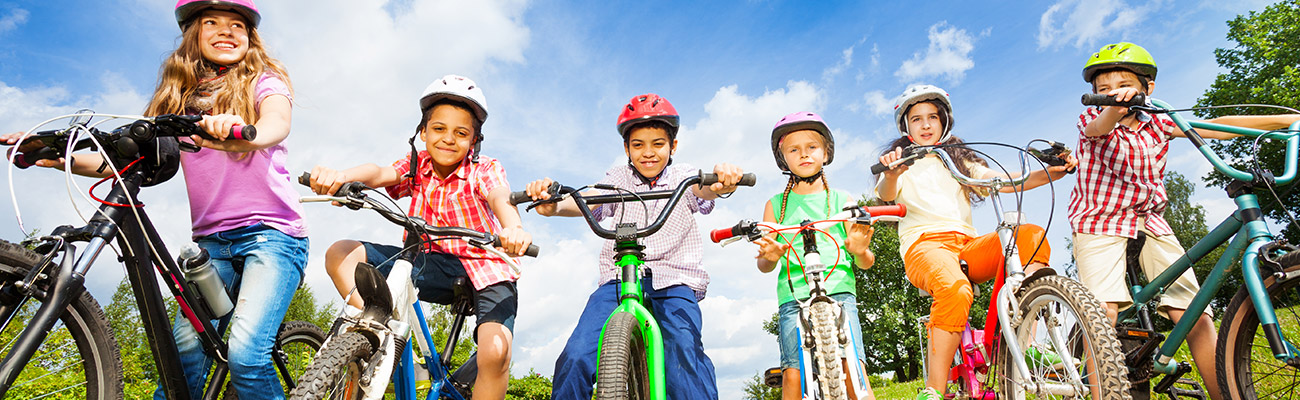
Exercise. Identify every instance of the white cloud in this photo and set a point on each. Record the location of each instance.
(13, 20)
(877, 103)
(1082, 23)
(845, 61)
(948, 55)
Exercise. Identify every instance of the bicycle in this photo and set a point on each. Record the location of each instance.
(42, 293)
(822, 326)
(630, 359)
(1075, 350)
(1253, 350)
(367, 347)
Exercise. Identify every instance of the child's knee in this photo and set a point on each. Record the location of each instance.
(340, 251)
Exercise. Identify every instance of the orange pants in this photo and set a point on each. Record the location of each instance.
(932, 265)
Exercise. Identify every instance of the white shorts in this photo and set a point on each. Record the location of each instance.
(1100, 259)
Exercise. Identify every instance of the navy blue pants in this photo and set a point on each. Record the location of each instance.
(688, 369)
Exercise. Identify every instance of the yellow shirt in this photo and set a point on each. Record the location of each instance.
(935, 201)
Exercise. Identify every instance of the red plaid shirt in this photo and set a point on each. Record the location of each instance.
(1121, 178)
(459, 200)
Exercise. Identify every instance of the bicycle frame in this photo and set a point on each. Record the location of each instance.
(1248, 233)
(630, 291)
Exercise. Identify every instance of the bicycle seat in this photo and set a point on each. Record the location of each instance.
(462, 296)
(965, 270)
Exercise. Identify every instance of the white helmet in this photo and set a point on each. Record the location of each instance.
(458, 88)
(920, 93)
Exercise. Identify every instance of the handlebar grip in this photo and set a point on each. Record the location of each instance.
(28, 159)
(305, 179)
(709, 178)
(897, 210)
(520, 197)
(718, 235)
(531, 251)
(748, 179)
(878, 168)
(1093, 99)
(243, 132)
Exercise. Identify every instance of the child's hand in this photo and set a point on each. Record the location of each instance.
(217, 126)
(537, 190)
(12, 138)
(514, 241)
(728, 176)
(890, 157)
(770, 250)
(327, 181)
(1058, 171)
(859, 240)
(1121, 95)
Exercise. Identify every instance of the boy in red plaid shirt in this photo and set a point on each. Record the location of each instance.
(1121, 192)
(452, 185)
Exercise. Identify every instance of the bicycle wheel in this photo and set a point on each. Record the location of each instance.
(825, 332)
(336, 371)
(1251, 371)
(297, 343)
(79, 358)
(1061, 305)
(623, 372)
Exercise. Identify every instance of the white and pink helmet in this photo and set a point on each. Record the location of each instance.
(803, 120)
(186, 10)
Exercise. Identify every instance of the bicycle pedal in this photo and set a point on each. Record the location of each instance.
(1194, 392)
(773, 377)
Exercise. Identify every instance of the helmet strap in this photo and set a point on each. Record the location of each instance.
(802, 179)
(648, 181)
(410, 173)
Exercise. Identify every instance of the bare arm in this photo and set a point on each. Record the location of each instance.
(272, 127)
(327, 181)
(514, 240)
(1036, 178)
(887, 188)
(565, 208)
(1262, 122)
(769, 251)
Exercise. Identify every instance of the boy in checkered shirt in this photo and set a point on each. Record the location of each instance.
(1121, 193)
(450, 184)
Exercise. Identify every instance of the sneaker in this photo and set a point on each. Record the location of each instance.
(929, 394)
(1035, 356)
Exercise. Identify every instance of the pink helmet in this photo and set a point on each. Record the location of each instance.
(186, 10)
(799, 121)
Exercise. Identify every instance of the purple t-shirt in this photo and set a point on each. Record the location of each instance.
(232, 190)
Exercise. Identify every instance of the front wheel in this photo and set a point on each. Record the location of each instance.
(336, 371)
(623, 373)
(1059, 316)
(825, 332)
(1250, 370)
(79, 357)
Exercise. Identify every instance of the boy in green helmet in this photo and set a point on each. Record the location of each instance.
(1121, 193)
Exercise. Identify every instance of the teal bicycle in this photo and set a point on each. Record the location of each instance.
(630, 360)
(1257, 354)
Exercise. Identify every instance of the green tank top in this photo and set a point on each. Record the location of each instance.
(812, 207)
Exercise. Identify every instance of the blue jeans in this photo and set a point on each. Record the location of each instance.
(688, 370)
(273, 268)
(788, 323)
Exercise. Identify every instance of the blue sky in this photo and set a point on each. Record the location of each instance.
(555, 74)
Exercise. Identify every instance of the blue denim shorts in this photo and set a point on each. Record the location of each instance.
(433, 273)
(788, 324)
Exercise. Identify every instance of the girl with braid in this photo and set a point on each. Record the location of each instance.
(937, 231)
(802, 145)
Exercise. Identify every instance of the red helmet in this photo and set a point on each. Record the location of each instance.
(647, 107)
(186, 10)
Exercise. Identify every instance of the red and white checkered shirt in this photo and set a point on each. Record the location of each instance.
(675, 253)
(458, 200)
(1121, 178)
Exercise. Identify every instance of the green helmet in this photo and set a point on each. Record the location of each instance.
(1120, 55)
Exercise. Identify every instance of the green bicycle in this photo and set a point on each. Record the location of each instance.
(630, 359)
(1255, 357)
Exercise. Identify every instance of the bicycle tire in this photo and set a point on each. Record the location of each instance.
(825, 331)
(336, 371)
(1092, 333)
(298, 343)
(93, 371)
(623, 373)
(1241, 339)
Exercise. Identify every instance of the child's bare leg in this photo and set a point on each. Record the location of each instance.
(341, 262)
(1201, 341)
(943, 346)
(853, 389)
(493, 361)
(791, 389)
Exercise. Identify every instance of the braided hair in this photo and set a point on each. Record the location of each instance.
(785, 196)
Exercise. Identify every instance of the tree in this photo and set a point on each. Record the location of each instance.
(1263, 68)
(532, 386)
(1188, 223)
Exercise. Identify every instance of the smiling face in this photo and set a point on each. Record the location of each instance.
(924, 124)
(223, 36)
(648, 149)
(448, 137)
(804, 152)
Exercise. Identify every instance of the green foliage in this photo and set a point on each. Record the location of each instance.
(533, 386)
(755, 389)
(1188, 223)
(305, 307)
(1264, 68)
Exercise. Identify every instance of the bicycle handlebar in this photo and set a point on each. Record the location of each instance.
(143, 130)
(753, 229)
(351, 196)
(1095, 99)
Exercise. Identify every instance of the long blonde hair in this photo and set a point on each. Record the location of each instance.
(181, 72)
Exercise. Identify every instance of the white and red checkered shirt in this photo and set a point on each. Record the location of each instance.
(1121, 178)
(458, 200)
(674, 254)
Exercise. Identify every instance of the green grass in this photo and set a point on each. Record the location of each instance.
(889, 389)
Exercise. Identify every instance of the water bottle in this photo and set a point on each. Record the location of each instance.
(199, 271)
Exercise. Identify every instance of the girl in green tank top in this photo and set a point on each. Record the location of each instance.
(802, 144)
